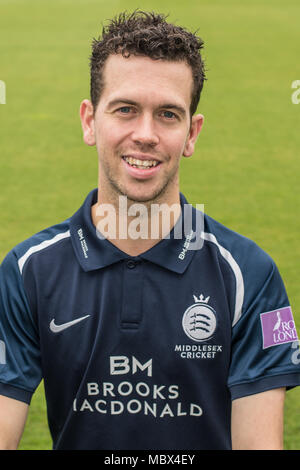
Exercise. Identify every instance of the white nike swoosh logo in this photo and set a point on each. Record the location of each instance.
(57, 328)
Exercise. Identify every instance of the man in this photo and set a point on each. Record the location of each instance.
(148, 342)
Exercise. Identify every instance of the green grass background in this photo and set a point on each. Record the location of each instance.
(246, 166)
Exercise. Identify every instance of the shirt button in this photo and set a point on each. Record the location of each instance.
(131, 264)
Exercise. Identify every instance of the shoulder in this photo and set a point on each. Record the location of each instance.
(252, 268)
(37, 244)
(237, 249)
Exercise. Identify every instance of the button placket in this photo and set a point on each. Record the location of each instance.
(131, 314)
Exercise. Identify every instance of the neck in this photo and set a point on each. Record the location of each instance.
(135, 227)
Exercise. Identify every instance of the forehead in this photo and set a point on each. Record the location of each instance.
(142, 78)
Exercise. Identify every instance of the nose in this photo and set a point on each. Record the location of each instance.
(145, 132)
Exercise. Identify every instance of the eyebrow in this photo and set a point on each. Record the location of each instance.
(174, 106)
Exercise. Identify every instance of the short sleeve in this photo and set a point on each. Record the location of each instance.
(264, 340)
(20, 364)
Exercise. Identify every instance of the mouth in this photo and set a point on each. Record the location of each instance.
(140, 164)
(143, 168)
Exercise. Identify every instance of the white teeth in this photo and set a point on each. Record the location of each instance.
(140, 163)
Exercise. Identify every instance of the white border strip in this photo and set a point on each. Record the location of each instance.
(239, 296)
(40, 247)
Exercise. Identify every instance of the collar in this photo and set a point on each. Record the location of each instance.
(171, 252)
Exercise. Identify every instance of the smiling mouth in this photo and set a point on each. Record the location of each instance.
(141, 164)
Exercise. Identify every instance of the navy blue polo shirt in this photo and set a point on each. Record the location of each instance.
(148, 351)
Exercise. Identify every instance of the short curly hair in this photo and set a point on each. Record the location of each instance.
(146, 34)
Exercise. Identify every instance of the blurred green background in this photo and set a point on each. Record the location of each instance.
(246, 166)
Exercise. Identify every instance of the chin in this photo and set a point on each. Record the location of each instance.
(142, 193)
(144, 197)
(139, 198)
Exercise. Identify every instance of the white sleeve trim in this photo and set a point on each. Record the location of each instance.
(239, 295)
(41, 246)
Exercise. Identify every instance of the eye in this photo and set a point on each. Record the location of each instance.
(169, 114)
(124, 110)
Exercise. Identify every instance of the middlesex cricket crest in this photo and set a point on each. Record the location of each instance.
(199, 320)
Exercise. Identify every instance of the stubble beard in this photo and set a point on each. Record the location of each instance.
(158, 196)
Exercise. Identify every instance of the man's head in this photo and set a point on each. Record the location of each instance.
(146, 34)
(141, 114)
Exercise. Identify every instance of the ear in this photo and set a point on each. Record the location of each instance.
(196, 125)
(87, 122)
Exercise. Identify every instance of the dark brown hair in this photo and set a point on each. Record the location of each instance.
(146, 34)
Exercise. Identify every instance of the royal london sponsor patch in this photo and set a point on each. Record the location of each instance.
(278, 327)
